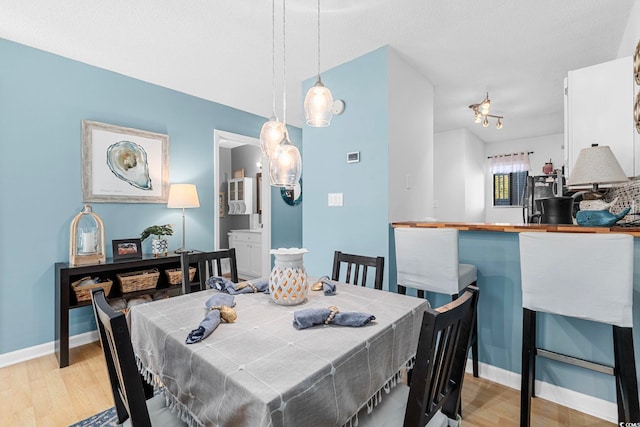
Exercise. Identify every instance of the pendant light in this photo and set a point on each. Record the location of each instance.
(273, 130)
(318, 103)
(285, 163)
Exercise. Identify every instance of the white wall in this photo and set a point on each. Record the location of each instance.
(410, 109)
(474, 178)
(543, 147)
(459, 176)
(631, 35)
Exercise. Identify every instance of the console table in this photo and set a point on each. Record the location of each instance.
(66, 298)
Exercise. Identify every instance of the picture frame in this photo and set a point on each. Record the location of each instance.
(221, 204)
(127, 249)
(123, 165)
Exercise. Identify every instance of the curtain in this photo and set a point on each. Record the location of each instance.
(509, 163)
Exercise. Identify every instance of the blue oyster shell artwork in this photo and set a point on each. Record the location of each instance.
(128, 161)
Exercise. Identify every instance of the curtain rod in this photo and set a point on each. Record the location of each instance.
(511, 154)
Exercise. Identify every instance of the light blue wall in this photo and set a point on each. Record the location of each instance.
(360, 226)
(43, 98)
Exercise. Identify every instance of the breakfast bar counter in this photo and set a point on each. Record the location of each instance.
(517, 228)
(494, 250)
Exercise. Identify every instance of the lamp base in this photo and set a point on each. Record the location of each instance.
(184, 250)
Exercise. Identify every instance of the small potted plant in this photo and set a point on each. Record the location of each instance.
(159, 244)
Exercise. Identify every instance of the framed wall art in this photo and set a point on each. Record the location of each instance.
(124, 165)
(126, 248)
(221, 204)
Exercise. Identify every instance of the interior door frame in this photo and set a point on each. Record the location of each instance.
(220, 137)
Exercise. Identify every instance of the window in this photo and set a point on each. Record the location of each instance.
(508, 188)
(510, 173)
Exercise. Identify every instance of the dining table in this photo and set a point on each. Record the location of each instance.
(261, 371)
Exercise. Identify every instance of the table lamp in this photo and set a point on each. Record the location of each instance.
(183, 196)
(596, 165)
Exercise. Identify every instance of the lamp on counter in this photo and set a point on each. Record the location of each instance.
(183, 196)
(596, 165)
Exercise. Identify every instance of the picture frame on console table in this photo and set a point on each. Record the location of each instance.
(127, 249)
(124, 165)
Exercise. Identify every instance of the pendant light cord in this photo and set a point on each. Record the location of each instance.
(284, 63)
(318, 40)
(273, 57)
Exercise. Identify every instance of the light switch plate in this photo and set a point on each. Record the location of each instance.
(335, 199)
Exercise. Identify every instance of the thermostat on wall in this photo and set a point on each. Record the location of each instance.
(353, 157)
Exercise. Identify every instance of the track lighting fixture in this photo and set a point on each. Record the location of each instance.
(482, 113)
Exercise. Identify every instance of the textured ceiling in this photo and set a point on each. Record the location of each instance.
(517, 50)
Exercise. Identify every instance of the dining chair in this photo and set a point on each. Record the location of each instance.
(427, 260)
(583, 276)
(132, 407)
(207, 264)
(433, 396)
(353, 264)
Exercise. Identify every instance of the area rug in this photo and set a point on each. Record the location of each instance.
(105, 418)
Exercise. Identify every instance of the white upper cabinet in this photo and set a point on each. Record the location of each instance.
(240, 191)
(600, 111)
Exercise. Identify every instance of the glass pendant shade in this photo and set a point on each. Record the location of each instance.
(318, 105)
(285, 165)
(271, 134)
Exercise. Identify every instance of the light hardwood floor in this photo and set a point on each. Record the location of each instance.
(38, 393)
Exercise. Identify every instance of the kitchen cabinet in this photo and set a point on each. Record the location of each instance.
(599, 107)
(248, 246)
(240, 199)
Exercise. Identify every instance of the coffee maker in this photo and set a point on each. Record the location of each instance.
(544, 201)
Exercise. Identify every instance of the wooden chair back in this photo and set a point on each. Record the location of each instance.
(441, 357)
(126, 383)
(356, 268)
(207, 264)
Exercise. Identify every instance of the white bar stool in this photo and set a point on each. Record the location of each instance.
(593, 280)
(427, 260)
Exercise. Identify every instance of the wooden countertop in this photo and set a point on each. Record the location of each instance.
(517, 228)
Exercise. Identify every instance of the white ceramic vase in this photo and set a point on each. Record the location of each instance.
(159, 246)
(288, 284)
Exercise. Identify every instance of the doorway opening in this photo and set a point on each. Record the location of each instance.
(234, 156)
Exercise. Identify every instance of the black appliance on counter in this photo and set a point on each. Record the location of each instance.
(544, 202)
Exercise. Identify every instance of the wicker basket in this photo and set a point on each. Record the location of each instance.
(83, 293)
(138, 280)
(174, 275)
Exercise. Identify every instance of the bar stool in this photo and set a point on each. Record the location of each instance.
(427, 260)
(586, 276)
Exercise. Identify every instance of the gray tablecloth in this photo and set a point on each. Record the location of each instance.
(261, 371)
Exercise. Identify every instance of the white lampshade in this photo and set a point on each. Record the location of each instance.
(183, 196)
(596, 165)
(318, 105)
(271, 134)
(285, 165)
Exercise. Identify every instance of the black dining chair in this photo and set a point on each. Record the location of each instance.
(129, 391)
(356, 268)
(433, 395)
(207, 264)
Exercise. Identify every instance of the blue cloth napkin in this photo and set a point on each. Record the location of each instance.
(316, 316)
(328, 287)
(212, 320)
(225, 285)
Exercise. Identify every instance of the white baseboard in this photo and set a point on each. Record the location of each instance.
(29, 353)
(593, 406)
